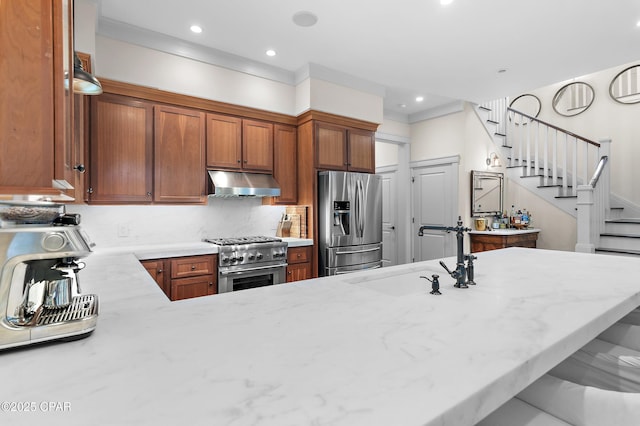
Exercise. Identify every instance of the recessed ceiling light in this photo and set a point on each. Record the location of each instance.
(402, 105)
(502, 70)
(196, 29)
(638, 24)
(270, 52)
(305, 19)
(445, 2)
(420, 99)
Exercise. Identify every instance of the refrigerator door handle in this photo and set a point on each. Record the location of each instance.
(360, 207)
(357, 208)
(357, 251)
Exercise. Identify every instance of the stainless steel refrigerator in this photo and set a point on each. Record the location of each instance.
(349, 222)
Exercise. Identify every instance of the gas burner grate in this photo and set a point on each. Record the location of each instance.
(242, 240)
(83, 306)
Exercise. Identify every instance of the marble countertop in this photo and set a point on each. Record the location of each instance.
(506, 231)
(159, 251)
(369, 348)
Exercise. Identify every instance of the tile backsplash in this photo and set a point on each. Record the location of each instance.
(116, 226)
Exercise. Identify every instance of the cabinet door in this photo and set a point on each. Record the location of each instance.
(63, 71)
(121, 150)
(193, 265)
(285, 163)
(26, 96)
(298, 272)
(157, 269)
(257, 146)
(331, 147)
(361, 151)
(299, 254)
(185, 288)
(179, 169)
(224, 142)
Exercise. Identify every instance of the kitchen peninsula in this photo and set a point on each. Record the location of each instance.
(372, 348)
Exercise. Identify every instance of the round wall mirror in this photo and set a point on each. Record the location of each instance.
(573, 99)
(526, 104)
(625, 87)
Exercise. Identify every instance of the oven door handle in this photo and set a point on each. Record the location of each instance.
(260, 268)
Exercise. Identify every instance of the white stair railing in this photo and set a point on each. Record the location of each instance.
(593, 206)
(561, 158)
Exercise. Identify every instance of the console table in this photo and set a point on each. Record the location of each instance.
(503, 238)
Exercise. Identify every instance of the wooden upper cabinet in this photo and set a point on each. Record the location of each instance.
(362, 151)
(234, 143)
(224, 141)
(121, 150)
(179, 155)
(32, 39)
(285, 165)
(257, 146)
(331, 147)
(343, 148)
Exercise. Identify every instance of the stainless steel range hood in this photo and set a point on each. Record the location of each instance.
(237, 184)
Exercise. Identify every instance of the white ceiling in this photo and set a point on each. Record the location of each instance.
(410, 47)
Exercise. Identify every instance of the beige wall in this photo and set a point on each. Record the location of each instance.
(135, 64)
(454, 134)
(147, 67)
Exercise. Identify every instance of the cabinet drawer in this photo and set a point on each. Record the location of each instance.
(192, 266)
(299, 254)
(186, 288)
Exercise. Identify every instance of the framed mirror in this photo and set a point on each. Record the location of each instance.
(487, 193)
(527, 104)
(625, 87)
(573, 99)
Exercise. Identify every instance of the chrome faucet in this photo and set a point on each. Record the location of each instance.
(460, 273)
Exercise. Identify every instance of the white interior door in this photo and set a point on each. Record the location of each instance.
(389, 218)
(435, 195)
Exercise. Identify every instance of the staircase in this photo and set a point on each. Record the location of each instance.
(567, 170)
(621, 237)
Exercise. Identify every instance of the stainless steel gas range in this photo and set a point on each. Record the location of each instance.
(249, 262)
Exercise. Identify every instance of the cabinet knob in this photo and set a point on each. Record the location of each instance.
(210, 283)
(193, 267)
(80, 167)
(160, 271)
(239, 161)
(148, 194)
(299, 255)
(245, 161)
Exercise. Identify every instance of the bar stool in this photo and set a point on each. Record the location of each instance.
(516, 412)
(582, 405)
(603, 365)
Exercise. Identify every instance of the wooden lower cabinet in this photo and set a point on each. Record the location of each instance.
(486, 242)
(185, 277)
(299, 260)
(186, 288)
(157, 268)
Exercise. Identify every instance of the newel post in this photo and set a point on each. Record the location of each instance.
(584, 243)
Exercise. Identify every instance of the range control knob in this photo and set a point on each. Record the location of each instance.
(251, 256)
(54, 241)
(259, 256)
(225, 259)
